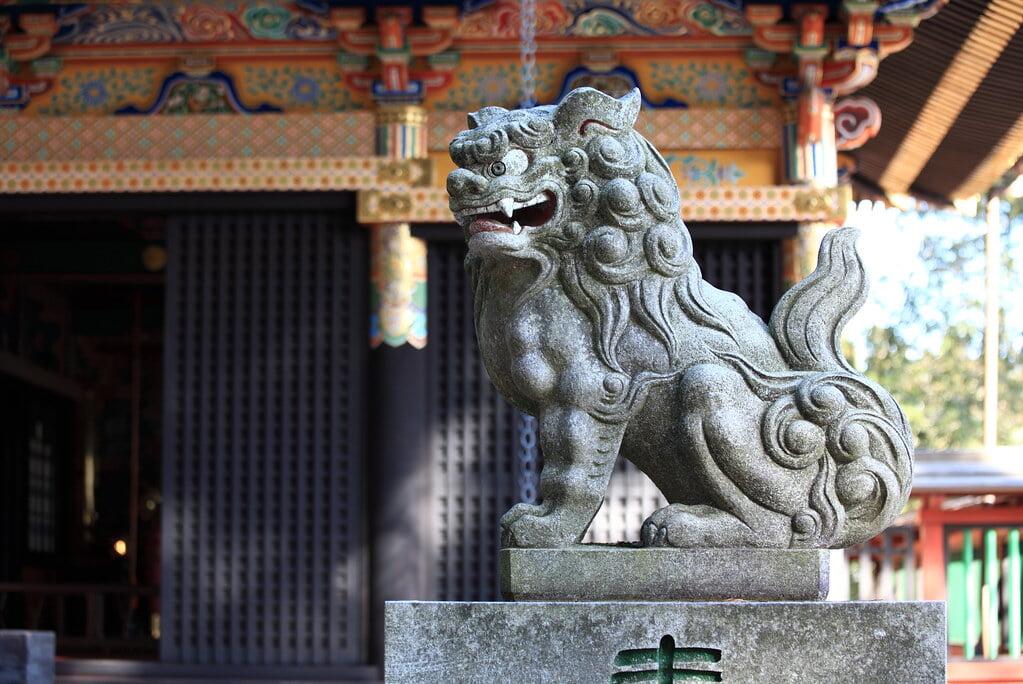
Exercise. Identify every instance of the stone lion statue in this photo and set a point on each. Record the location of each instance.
(592, 315)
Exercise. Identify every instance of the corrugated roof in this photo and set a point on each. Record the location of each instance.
(968, 471)
(952, 104)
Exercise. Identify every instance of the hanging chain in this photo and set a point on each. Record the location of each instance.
(528, 475)
(527, 46)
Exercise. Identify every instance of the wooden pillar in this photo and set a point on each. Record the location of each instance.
(398, 433)
(932, 550)
(993, 268)
(398, 260)
(811, 158)
(815, 40)
(811, 153)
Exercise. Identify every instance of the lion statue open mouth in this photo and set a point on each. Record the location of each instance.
(592, 315)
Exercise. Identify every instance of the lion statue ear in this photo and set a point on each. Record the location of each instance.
(477, 119)
(586, 110)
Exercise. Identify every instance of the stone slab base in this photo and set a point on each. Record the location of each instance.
(26, 657)
(622, 573)
(601, 642)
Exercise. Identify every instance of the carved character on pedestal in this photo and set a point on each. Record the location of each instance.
(592, 315)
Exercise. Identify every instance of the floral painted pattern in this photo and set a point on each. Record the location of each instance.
(493, 84)
(201, 137)
(100, 91)
(707, 83)
(704, 172)
(305, 89)
(502, 19)
(298, 88)
(94, 93)
(119, 25)
(707, 16)
(601, 23)
(210, 94)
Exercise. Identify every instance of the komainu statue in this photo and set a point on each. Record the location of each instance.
(592, 315)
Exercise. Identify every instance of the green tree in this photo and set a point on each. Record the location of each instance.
(930, 354)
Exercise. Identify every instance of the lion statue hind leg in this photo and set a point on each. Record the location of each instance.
(744, 498)
(699, 526)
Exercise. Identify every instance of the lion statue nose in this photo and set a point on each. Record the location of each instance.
(465, 182)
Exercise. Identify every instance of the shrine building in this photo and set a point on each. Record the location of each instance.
(240, 393)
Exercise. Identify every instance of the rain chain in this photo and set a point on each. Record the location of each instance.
(527, 46)
(528, 475)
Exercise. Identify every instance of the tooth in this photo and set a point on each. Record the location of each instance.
(516, 228)
(507, 206)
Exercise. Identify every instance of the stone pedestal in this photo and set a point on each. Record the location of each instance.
(598, 642)
(26, 657)
(623, 573)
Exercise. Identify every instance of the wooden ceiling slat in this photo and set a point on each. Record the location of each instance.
(1004, 155)
(989, 133)
(907, 78)
(986, 137)
(986, 41)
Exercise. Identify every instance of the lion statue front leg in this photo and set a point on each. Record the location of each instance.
(579, 455)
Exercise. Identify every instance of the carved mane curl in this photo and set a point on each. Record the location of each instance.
(626, 254)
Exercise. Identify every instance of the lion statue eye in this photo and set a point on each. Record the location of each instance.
(514, 163)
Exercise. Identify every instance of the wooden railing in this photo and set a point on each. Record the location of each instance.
(884, 568)
(972, 558)
(983, 588)
(88, 619)
(972, 609)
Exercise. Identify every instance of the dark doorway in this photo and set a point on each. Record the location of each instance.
(93, 468)
(81, 320)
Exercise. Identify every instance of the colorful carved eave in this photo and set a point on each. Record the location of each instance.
(561, 24)
(24, 69)
(839, 57)
(393, 30)
(859, 29)
(842, 75)
(395, 56)
(823, 59)
(225, 174)
(790, 203)
(857, 120)
(394, 43)
(33, 40)
(25, 47)
(276, 24)
(391, 53)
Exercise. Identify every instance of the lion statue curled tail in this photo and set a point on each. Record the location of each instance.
(592, 315)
